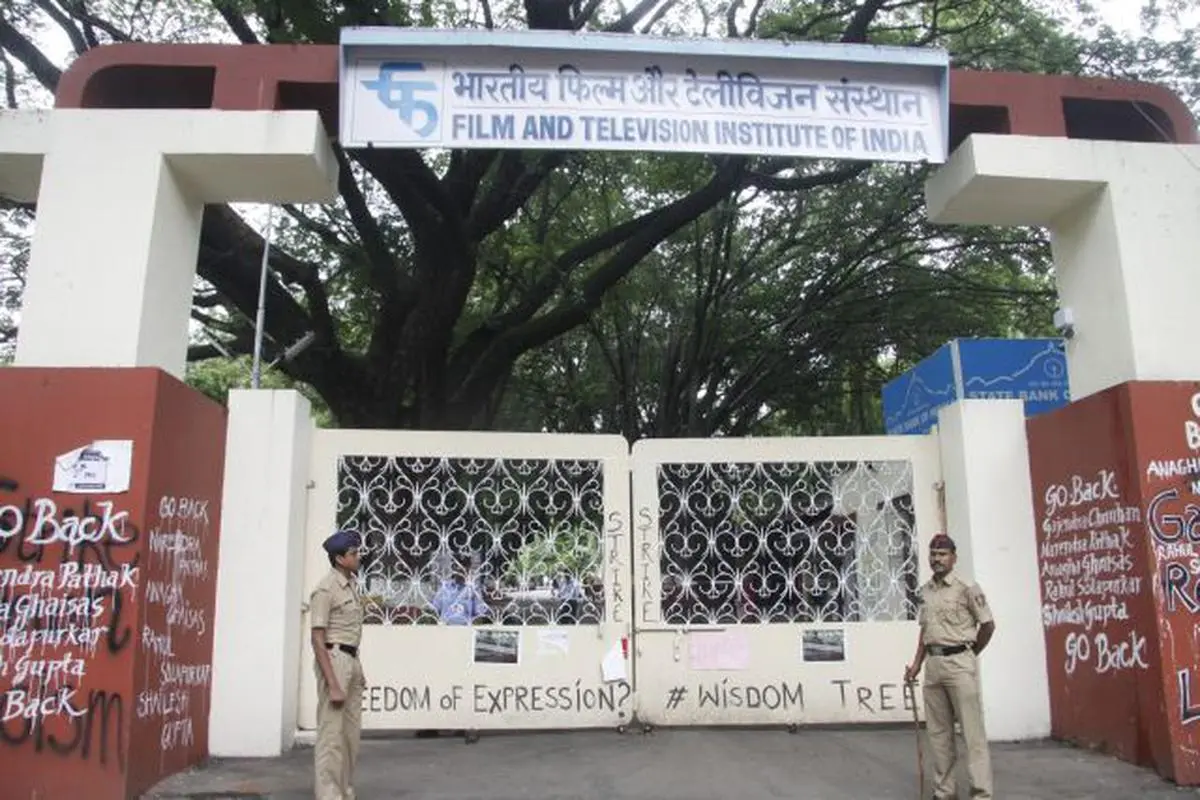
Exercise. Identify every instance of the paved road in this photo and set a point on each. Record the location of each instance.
(855, 764)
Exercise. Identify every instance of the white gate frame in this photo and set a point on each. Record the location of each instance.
(755, 674)
(424, 676)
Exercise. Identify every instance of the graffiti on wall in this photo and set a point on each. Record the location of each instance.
(173, 696)
(489, 699)
(1173, 522)
(1088, 574)
(69, 576)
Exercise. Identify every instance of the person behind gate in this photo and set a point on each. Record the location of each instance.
(955, 626)
(337, 617)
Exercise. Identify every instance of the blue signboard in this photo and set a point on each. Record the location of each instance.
(1033, 370)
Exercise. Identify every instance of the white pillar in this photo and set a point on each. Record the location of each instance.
(120, 202)
(257, 637)
(989, 513)
(1122, 217)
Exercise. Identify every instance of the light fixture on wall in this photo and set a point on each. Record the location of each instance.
(1064, 322)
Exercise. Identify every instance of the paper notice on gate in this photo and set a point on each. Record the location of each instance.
(718, 650)
(553, 643)
(102, 467)
(612, 668)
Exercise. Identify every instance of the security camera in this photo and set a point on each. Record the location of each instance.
(1064, 322)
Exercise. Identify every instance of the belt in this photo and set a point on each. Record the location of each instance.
(345, 648)
(945, 650)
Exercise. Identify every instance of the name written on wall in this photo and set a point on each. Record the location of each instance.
(1173, 521)
(1088, 573)
(171, 696)
(66, 587)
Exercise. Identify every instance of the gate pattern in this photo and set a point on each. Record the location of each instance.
(760, 581)
(495, 576)
(776, 579)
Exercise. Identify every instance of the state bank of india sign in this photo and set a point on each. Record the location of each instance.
(533, 90)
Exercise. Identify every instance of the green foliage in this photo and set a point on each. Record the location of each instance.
(765, 309)
(574, 550)
(214, 378)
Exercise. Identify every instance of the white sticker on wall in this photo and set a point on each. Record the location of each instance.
(102, 467)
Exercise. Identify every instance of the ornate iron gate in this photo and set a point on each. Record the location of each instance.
(760, 581)
(496, 576)
(776, 579)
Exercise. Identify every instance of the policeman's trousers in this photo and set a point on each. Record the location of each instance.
(952, 692)
(338, 729)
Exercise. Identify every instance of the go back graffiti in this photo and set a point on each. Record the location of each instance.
(67, 580)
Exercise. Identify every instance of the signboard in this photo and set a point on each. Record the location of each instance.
(1033, 370)
(551, 90)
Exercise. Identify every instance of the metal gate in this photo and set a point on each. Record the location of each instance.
(759, 581)
(496, 579)
(776, 579)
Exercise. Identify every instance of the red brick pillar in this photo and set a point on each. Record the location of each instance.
(1116, 484)
(106, 591)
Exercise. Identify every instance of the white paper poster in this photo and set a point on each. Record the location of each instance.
(553, 643)
(612, 668)
(102, 467)
(719, 650)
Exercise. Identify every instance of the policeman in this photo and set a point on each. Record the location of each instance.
(955, 626)
(337, 616)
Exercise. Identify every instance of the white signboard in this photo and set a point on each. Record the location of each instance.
(547, 91)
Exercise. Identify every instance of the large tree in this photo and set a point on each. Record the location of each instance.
(439, 287)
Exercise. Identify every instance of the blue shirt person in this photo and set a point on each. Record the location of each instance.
(459, 603)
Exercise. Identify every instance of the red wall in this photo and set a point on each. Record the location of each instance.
(1167, 445)
(1111, 667)
(136, 705)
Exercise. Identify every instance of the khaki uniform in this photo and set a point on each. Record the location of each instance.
(951, 612)
(336, 607)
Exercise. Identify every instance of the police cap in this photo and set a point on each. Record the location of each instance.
(340, 542)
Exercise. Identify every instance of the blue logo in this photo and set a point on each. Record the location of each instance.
(399, 94)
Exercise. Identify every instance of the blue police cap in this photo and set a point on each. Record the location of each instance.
(340, 542)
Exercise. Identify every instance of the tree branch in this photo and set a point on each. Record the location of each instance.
(512, 187)
(731, 27)
(78, 11)
(78, 43)
(856, 31)
(383, 274)
(644, 234)
(400, 177)
(10, 82)
(796, 183)
(586, 13)
(29, 55)
(236, 21)
(626, 23)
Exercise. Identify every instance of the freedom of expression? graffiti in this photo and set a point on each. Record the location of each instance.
(485, 699)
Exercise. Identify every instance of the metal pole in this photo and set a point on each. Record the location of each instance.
(256, 369)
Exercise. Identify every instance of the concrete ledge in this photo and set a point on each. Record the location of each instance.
(1012, 180)
(23, 138)
(220, 156)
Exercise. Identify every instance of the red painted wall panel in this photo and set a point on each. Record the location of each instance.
(80, 641)
(1166, 419)
(1112, 480)
(173, 672)
(1097, 608)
